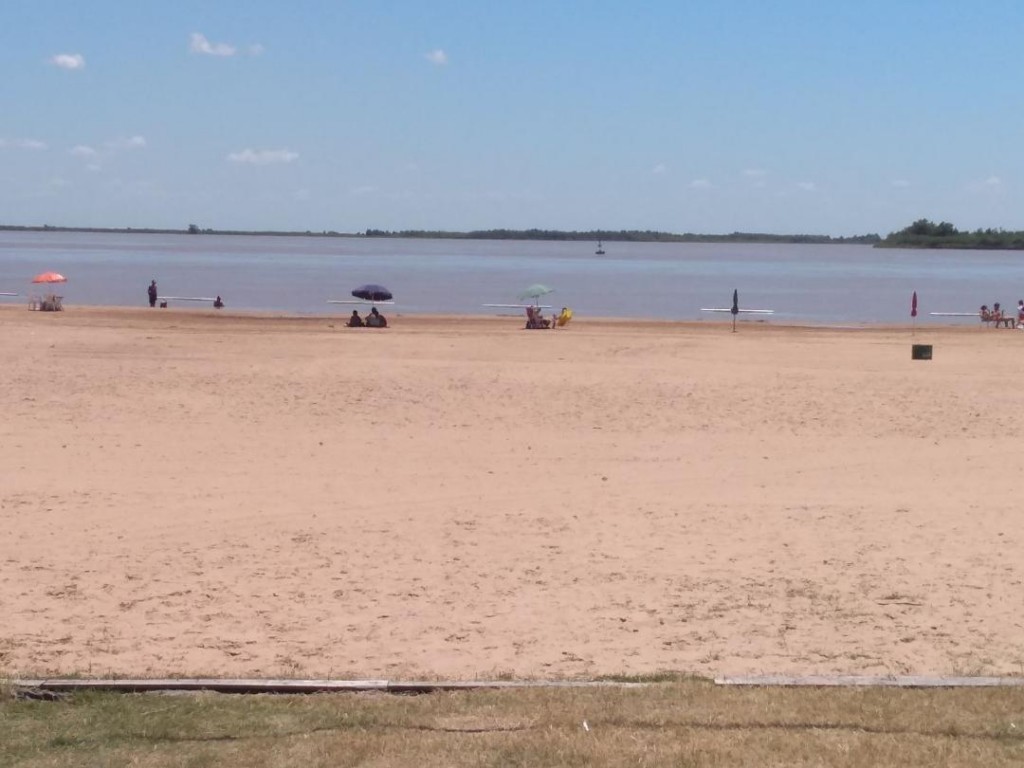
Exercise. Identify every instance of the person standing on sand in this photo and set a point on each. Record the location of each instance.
(152, 293)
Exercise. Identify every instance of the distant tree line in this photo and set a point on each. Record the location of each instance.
(927, 234)
(620, 235)
(191, 229)
(608, 235)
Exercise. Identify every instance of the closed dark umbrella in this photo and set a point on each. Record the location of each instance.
(372, 292)
(735, 307)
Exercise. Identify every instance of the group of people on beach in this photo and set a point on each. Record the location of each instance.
(373, 320)
(999, 317)
(535, 318)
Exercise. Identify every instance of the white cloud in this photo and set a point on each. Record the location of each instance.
(132, 142)
(438, 57)
(199, 44)
(991, 185)
(96, 157)
(807, 186)
(659, 169)
(757, 177)
(22, 144)
(700, 184)
(900, 183)
(263, 156)
(68, 61)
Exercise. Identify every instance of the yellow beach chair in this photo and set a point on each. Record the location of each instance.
(564, 317)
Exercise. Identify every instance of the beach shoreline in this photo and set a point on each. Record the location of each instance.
(191, 491)
(96, 314)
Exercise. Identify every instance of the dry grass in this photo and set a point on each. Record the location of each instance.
(686, 722)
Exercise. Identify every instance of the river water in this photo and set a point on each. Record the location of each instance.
(815, 284)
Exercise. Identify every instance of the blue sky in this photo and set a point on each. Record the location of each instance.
(779, 116)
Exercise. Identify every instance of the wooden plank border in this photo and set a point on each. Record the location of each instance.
(69, 685)
(286, 686)
(59, 685)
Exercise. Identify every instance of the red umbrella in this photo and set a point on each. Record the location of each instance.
(50, 277)
(913, 305)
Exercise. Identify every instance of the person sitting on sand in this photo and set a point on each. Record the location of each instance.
(375, 319)
(1020, 311)
(218, 303)
(534, 319)
(355, 321)
(1000, 318)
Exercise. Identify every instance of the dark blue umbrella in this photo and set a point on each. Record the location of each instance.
(372, 292)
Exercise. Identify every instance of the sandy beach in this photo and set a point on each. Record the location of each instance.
(190, 492)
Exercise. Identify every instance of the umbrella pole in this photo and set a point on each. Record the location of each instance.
(734, 323)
